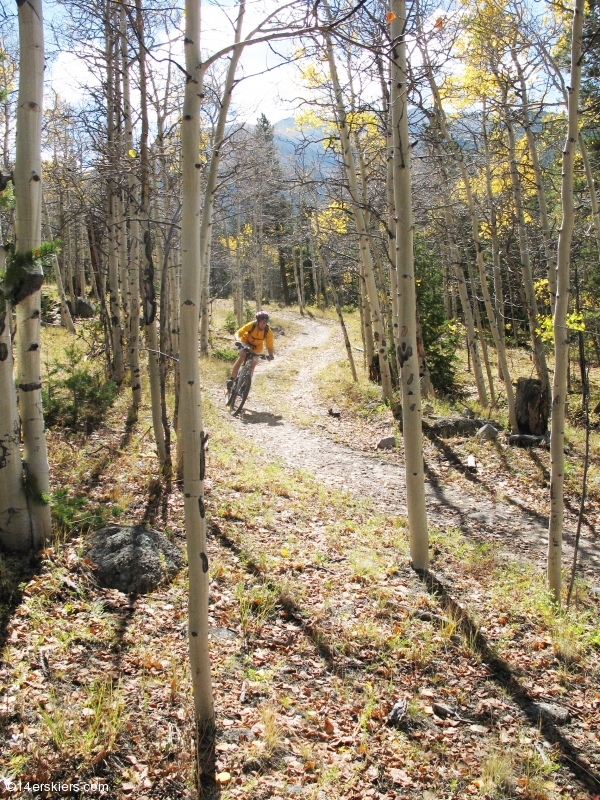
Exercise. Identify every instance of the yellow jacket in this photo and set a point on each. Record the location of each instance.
(251, 335)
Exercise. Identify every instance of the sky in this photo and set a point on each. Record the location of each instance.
(268, 85)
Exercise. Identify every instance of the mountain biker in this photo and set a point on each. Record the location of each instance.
(255, 335)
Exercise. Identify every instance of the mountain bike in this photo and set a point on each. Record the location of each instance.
(240, 387)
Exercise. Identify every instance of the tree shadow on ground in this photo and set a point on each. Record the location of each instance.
(16, 570)
(261, 418)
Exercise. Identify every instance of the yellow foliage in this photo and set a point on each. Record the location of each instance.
(332, 219)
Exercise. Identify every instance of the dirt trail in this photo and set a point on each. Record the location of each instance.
(372, 475)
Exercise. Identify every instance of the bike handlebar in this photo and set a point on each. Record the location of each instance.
(248, 351)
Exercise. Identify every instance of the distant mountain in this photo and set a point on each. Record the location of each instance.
(295, 145)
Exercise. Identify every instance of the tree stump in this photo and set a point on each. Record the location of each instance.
(531, 407)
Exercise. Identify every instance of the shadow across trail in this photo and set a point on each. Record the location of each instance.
(251, 417)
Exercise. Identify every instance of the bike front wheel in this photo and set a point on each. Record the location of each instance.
(239, 395)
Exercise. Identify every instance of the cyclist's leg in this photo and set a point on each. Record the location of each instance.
(240, 360)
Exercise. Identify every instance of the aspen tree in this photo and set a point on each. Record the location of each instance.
(539, 356)
(407, 299)
(149, 296)
(498, 342)
(539, 183)
(15, 528)
(192, 436)
(364, 245)
(213, 171)
(28, 236)
(132, 275)
(561, 333)
(118, 367)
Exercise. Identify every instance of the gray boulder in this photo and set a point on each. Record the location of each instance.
(549, 712)
(447, 427)
(487, 432)
(133, 559)
(388, 443)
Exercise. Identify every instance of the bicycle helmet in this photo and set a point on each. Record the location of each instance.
(262, 316)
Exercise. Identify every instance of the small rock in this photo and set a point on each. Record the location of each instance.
(487, 432)
(334, 412)
(549, 712)
(387, 443)
(428, 409)
(236, 735)
(595, 590)
(222, 634)
(467, 413)
(398, 712)
(442, 711)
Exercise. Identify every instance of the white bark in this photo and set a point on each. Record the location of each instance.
(190, 423)
(15, 528)
(537, 345)
(407, 356)
(498, 342)
(65, 314)
(213, 171)
(112, 213)
(539, 183)
(133, 286)
(561, 334)
(149, 298)
(349, 162)
(28, 236)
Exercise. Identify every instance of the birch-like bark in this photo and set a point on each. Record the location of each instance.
(112, 245)
(365, 253)
(334, 296)
(498, 343)
(459, 274)
(16, 533)
(539, 183)
(213, 171)
(192, 436)
(561, 334)
(135, 244)
(65, 314)
(498, 289)
(407, 300)
(149, 299)
(539, 356)
(28, 237)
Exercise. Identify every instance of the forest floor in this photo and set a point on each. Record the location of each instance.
(319, 626)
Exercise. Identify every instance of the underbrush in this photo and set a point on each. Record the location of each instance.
(75, 393)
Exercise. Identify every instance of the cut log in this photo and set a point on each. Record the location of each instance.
(531, 407)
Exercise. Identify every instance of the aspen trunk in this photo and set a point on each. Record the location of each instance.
(407, 356)
(457, 268)
(15, 529)
(213, 171)
(561, 334)
(531, 305)
(349, 162)
(112, 245)
(498, 291)
(28, 236)
(500, 349)
(65, 314)
(133, 274)
(150, 306)
(192, 436)
(338, 308)
(539, 183)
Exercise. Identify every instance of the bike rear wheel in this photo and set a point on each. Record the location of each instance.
(240, 394)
